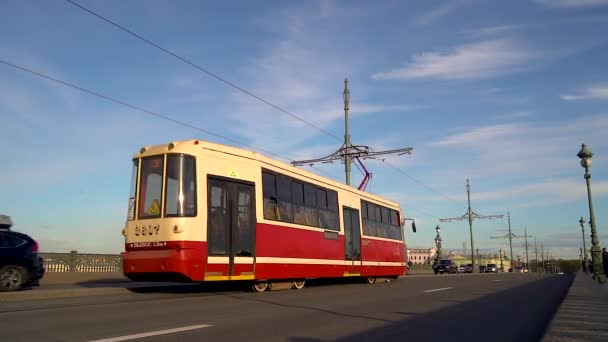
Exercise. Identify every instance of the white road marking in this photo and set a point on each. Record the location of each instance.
(153, 333)
(497, 280)
(441, 289)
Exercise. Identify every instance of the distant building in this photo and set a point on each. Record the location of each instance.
(421, 255)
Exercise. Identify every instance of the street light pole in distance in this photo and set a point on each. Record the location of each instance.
(585, 155)
(470, 215)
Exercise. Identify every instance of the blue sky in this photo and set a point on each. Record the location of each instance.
(501, 93)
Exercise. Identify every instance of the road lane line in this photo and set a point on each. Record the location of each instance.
(153, 333)
(497, 280)
(441, 289)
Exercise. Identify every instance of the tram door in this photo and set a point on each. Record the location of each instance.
(230, 230)
(352, 241)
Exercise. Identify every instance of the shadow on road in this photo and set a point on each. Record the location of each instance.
(518, 314)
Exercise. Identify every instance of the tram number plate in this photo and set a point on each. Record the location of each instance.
(147, 230)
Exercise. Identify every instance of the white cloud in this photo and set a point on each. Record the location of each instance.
(481, 135)
(599, 91)
(471, 61)
(514, 152)
(301, 74)
(439, 12)
(572, 3)
(496, 30)
(514, 115)
(550, 192)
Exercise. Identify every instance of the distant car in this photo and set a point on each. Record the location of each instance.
(20, 264)
(468, 268)
(482, 269)
(492, 268)
(462, 269)
(446, 266)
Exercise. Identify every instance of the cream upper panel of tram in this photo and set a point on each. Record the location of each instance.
(199, 147)
(240, 165)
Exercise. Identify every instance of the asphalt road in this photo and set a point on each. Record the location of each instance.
(491, 307)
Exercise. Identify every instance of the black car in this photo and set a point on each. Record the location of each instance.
(446, 266)
(20, 264)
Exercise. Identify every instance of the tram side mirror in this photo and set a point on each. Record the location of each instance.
(414, 226)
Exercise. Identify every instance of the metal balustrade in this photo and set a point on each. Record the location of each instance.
(77, 262)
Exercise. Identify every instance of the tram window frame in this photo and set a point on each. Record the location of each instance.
(269, 191)
(188, 176)
(145, 173)
(380, 221)
(303, 205)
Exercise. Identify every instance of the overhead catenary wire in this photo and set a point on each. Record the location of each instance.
(419, 182)
(214, 75)
(91, 92)
(234, 85)
(149, 112)
(161, 116)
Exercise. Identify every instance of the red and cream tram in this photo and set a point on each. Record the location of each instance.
(200, 211)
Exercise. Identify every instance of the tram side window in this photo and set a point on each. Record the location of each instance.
(310, 200)
(270, 196)
(395, 226)
(380, 221)
(289, 200)
(297, 198)
(284, 199)
(332, 205)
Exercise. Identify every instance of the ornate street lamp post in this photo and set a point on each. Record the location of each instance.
(585, 155)
(584, 251)
(438, 243)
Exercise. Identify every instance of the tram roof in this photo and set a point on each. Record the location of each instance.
(193, 146)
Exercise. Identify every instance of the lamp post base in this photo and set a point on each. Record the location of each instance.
(598, 267)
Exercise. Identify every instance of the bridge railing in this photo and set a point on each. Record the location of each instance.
(81, 262)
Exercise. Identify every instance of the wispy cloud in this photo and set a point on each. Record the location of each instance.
(548, 192)
(596, 92)
(496, 30)
(516, 150)
(471, 61)
(481, 135)
(572, 3)
(300, 73)
(439, 12)
(514, 115)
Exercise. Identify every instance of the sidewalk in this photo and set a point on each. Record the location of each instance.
(583, 315)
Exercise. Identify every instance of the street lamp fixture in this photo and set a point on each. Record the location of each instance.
(584, 250)
(585, 155)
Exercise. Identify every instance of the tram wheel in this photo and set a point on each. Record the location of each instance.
(298, 284)
(370, 280)
(260, 286)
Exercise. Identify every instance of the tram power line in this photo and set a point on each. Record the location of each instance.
(164, 117)
(149, 112)
(161, 116)
(214, 75)
(232, 84)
